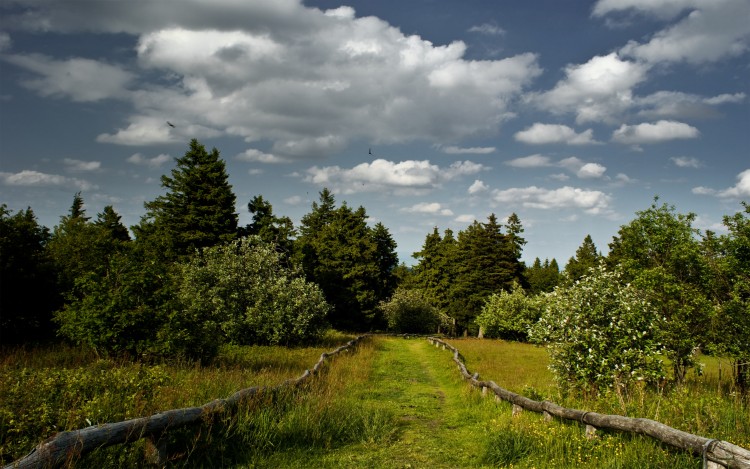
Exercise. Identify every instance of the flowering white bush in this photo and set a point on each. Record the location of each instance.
(600, 332)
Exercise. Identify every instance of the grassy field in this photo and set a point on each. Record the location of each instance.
(394, 403)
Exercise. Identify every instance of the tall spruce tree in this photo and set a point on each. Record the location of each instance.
(198, 209)
(351, 262)
(272, 229)
(587, 257)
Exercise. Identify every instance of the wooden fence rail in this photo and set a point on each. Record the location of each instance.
(68, 446)
(715, 453)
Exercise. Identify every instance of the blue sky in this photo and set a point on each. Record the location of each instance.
(573, 115)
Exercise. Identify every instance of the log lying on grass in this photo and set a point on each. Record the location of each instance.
(68, 446)
(715, 451)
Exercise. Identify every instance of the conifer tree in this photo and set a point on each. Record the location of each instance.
(198, 209)
(587, 257)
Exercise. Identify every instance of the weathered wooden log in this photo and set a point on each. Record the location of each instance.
(713, 451)
(68, 446)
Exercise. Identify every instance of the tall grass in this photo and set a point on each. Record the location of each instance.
(704, 404)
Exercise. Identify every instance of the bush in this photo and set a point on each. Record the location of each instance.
(600, 333)
(509, 315)
(241, 293)
(410, 311)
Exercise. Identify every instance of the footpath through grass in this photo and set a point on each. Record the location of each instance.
(435, 419)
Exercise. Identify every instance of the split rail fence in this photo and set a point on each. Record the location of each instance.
(70, 445)
(715, 453)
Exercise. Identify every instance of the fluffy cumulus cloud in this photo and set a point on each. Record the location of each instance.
(30, 178)
(155, 162)
(253, 155)
(81, 166)
(454, 150)
(432, 208)
(478, 187)
(404, 177)
(309, 81)
(487, 28)
(666, 104)
(554, 133)
(573, 164)
(686, 162)
(599, 90)
(709, 31)
(78, 79)
(657, 132)
(741, 190)
(590, 201)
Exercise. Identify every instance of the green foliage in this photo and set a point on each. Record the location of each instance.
(352, 263)
(409, 310)
(509, 315)
(240, 292)
(435, 272)
(660, 254)
(198, 209)
(729, 260)
(270, 228)
(542, 277)
(36, 403)
(121, 308)
(600, 332)
(586, 258)
(28, 290)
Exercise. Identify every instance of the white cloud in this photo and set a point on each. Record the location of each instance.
(404, 177)
(590, 201)
(596, 91)
(79, 79)
(478, 187)
(465, 218)
(306, 80)
(701, 190)
(293, 200)
(684, 105)
(741, 189)
(657, 132)
(82, 166)
(30, 178)
(487, 28)
(711, 31)
(662, 9)
(154, 162)
(256, 156)
(554, 133)
(591, 171)
(454, 150)
(432, 208)
(5, 41)
(686, 162)
(531, 161)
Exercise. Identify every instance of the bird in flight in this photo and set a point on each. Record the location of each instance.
(371, 151)
(170, 124)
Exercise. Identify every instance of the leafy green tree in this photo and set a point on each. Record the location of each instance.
(350, 261)
(660, 254)
(410, 311)
(729, 260)
(242, 293)
(586, 258)
(196, 212)
(121, 308)
(28, 290)
(70, 246)
(542, 277)
(509, 315)
(601, 333)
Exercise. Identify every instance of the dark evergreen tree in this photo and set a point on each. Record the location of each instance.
(198, 209)
(111, 223)
(435, 271)
(542, 277)
(28, 290)
(587, 257)
(339, 252)
(270, 228)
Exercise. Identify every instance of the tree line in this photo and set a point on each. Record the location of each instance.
(192, 279)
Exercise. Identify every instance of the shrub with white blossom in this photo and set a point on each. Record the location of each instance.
(600, 333)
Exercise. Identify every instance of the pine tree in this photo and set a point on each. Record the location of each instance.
(587, 257)
(270, 228)
(198, 209)
(111, 223)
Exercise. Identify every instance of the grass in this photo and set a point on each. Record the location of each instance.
(393, 403)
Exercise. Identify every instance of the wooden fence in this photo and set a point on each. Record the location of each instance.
(70, 445)
(715, 453)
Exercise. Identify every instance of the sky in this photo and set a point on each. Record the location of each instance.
(429, 113)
